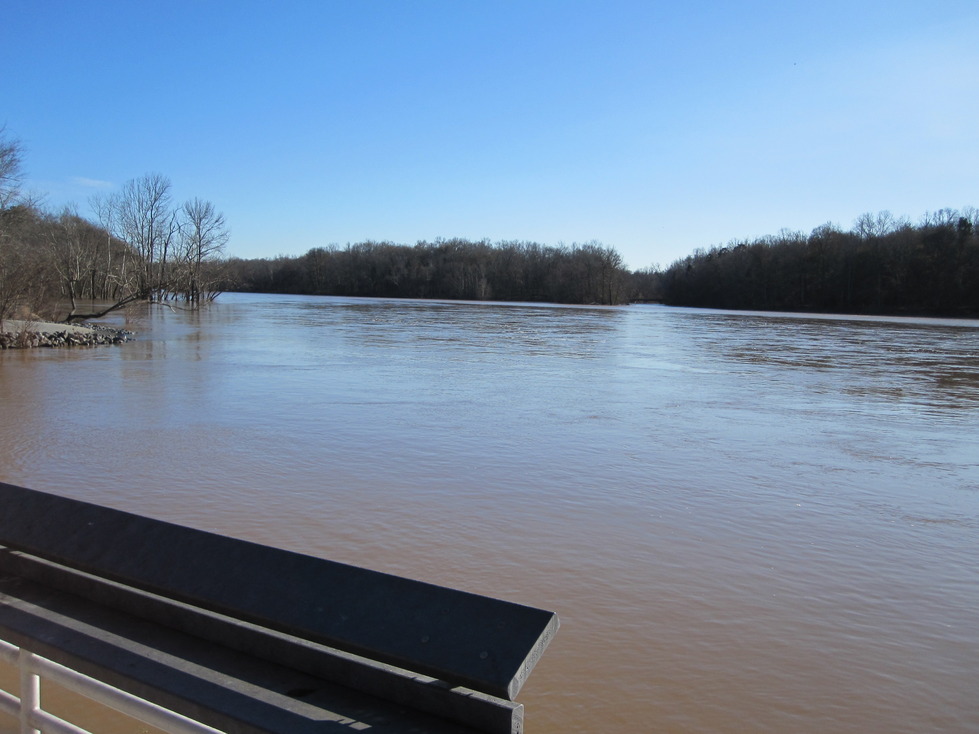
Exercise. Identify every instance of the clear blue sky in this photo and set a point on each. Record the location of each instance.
(653, 127)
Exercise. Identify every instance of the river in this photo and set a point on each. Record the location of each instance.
(747, 522)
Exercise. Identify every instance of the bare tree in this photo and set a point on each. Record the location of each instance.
(17, 271)
(940, 218)
(869, 226)
(145, 219)
(115, 259)
(153, 252)
(27, 285)
(11, 160)
(141, 252)
(141, 217)
(70, 258)
(77, 251)
(204, 233)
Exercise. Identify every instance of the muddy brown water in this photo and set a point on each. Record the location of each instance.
(746, 522)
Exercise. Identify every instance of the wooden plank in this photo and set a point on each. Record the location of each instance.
(466, 639)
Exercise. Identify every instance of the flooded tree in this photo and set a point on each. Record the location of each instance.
(203, 236)
(141, 249)
(166, 250)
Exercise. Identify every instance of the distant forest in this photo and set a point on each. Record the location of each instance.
(883, 265)
(454, 269)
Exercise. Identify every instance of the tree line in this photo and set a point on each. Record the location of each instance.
(456, 269)
(883, 265)
(143, 247)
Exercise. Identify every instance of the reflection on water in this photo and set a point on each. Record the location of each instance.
(745, 521)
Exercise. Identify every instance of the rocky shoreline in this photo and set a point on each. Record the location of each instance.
(32, 334)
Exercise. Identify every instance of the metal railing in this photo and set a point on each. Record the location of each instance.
(34, 719)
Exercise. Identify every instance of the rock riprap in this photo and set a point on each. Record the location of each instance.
(30, 334)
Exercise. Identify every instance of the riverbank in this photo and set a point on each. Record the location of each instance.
(19, 334)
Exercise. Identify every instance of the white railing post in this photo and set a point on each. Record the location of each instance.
(30, 692)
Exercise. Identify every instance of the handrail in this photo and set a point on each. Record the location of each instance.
(27, 708)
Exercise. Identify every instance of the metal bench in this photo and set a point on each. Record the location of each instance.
(247, 638)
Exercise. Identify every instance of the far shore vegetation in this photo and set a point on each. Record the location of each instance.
(883, 265)
(145, 248)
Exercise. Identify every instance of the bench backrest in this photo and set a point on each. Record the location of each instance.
(485, 644)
